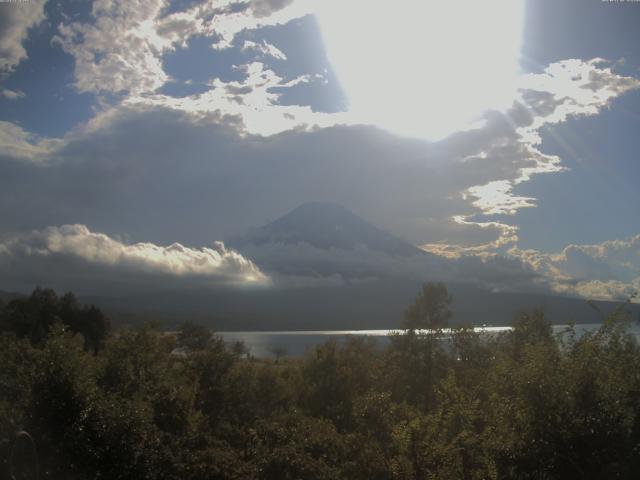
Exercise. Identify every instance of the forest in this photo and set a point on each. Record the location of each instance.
(138, 403)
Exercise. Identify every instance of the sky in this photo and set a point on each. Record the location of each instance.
(137, 136)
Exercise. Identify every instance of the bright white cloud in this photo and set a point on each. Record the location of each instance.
(261, 13)
(120, 51)
(253, 100)
(497, 198)
(570, 88)
(16, 18)
(265, 49)
(609, 271)
(89, 254)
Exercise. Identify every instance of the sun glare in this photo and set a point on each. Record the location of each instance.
(424, 68)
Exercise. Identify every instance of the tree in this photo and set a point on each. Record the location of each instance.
(33, 317)
(94, 327)
(278, 351)
(194, 336)
(430, 309)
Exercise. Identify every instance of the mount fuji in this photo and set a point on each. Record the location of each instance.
(325, 240)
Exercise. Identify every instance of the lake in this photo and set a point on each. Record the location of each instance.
(297, 343)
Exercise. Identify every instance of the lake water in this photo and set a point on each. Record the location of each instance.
(297, 343)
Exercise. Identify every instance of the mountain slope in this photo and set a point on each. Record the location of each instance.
(320, 243)
(327, 226)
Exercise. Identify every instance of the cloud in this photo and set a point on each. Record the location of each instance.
(88, 260)
(16, 18)
(508, 140)
(259, 14)
(569, 88)
(254, 100)
(610, 270)
(496, 198)
(265, 49)
(598, 290)
(16, 143)
(11, 94)
(233, 156)
(502, 153)
(121, 50)
(265, 8)
(208, 166)
(301, 264)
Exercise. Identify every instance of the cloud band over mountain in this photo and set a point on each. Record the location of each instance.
(72, 256)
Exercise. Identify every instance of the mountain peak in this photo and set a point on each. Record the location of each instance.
(318, 214)
(328, 225)
(320, 207)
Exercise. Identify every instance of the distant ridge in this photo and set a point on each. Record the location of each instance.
(8, 296)
(327, 226)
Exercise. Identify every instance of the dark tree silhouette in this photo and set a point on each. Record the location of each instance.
(430, 309)
(34, 316)
(194, 336)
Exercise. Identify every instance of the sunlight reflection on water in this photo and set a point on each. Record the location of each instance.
(297, 343)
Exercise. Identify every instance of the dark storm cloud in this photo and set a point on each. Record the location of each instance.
(159, 174)
(163, 175)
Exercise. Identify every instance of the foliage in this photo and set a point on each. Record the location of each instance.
(194, 336)
(34, 316)
(430, 309)
(527, 403)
